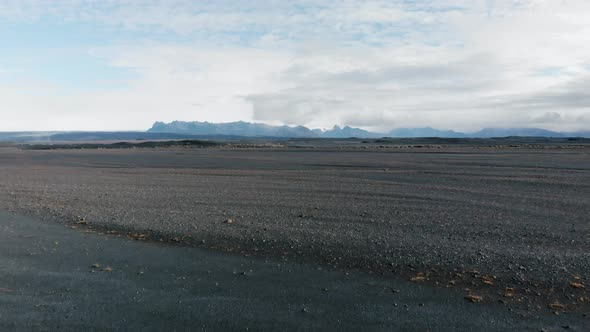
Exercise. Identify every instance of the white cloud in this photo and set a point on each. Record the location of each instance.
(380, 64)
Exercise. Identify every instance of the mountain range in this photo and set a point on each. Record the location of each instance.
(178, 130)
(249, 129)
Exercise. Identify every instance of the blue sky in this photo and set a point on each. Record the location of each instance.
(61, 53)
(463, 65)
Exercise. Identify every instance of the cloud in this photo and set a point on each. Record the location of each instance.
(547, 117)
(457, 65)
(464, 94)
(488, 80)
(574, 94)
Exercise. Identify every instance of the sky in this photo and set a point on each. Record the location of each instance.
(448, 64)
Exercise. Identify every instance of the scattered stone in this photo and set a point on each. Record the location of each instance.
(138, 236)
(418, 278)
(229, 221)
(82, 221)
(474, 298)
(556, 305)
(577, 285)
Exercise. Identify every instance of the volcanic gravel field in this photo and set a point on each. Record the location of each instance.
(508, 224)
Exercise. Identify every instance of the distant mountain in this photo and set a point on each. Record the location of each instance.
(239, 128)
(346, 132)
(425, 132)
(484, 133)
(505, 132)
(236, 130)
(247, 129)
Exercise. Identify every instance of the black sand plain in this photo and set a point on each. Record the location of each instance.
(504, 223)
(55, 279)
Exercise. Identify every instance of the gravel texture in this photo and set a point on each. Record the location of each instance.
(511, 224)
(57, 279)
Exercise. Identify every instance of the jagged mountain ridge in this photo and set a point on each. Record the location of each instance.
(248, 129)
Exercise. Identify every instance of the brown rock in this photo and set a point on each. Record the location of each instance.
(473, 298)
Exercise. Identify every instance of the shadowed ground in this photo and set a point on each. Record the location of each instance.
(51, 280)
